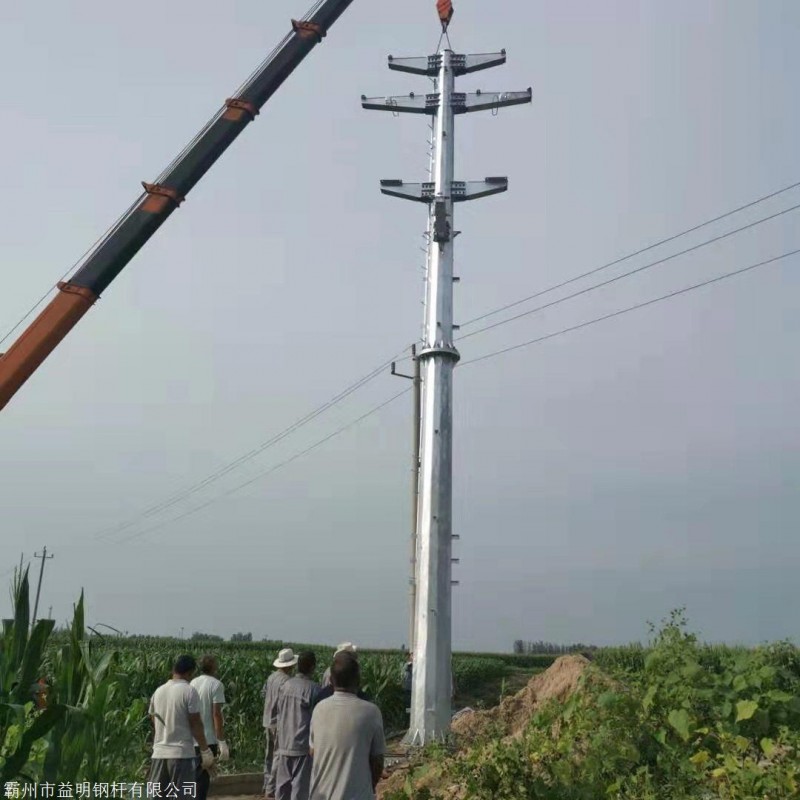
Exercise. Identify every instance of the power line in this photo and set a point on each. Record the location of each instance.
(631, 255)
(272, 469)
(539, 339)
(586, 324)
(232, 465)
(628, 274)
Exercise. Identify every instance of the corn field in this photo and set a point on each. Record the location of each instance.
(73, 706)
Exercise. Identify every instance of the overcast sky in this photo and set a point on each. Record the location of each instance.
(601, 478)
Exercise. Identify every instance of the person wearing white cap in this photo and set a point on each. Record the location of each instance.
(284, 666)
(344, 647)
(327, 691)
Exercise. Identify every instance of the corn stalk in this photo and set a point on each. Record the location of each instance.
(95, 739)
(22, 724)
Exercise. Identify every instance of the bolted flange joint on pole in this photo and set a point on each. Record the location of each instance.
(431, 702)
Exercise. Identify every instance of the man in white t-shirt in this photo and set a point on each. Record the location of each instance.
(347, 743)
(175, 714)
(212, 698)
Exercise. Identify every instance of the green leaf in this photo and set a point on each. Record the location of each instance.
(745, 709)
(21, 621)
(767, 673)
(651, 659)
(39, 729)
(691, 670)
(768, 746)
(679, 719)
(606, 699)
(778, 696)
(739, 683)
(647, 702)
(727, 709)
(31, 669)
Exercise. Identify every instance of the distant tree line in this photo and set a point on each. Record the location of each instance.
(199, 636)
(550, 648)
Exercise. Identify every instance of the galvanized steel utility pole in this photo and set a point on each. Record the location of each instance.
(431, 708)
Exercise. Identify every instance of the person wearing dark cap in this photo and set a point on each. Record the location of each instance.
(295, 704)
(347, 743)
(175, 714)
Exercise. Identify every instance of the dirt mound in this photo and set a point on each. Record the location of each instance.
(511, 717)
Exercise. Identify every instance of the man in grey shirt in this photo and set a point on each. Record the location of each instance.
(284, 665)
(295, 704)
(347, 741)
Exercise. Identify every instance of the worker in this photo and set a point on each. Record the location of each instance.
(347, 744)
(296, 701)
(212, 698)
(39, 693)
(284, 666)
(327, 692)
(406, 679)
(344, 647)
(175, 714)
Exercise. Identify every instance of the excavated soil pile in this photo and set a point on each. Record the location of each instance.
(514, 713)
(510, 718)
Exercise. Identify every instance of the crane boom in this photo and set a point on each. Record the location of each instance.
(159, 199)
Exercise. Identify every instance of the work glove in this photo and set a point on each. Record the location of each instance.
(207, 760)
(224, 750)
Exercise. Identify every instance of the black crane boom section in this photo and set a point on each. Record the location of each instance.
(161, 198)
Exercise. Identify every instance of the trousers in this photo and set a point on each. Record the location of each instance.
(202, 778)
(171, 771)
(293, 777)
(270, 762)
